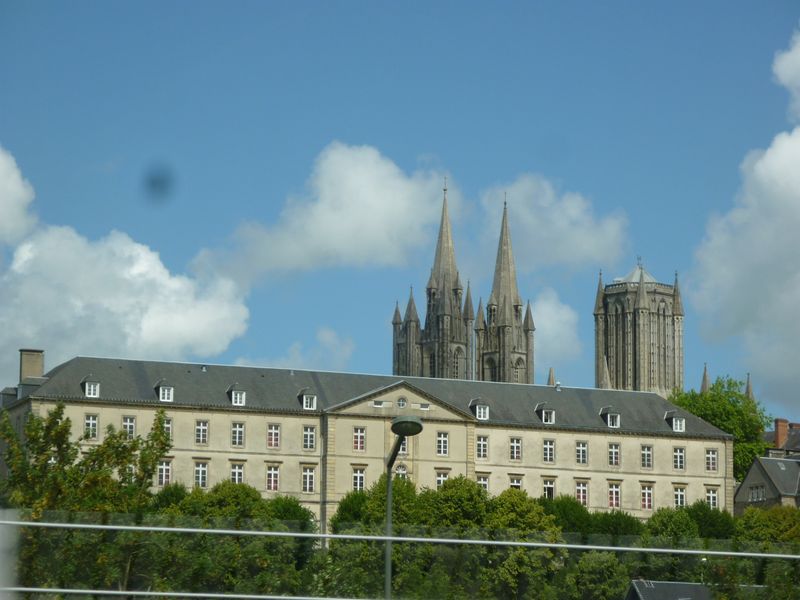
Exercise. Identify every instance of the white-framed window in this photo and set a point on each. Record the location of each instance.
(237, 434)
(165, 393)
(549, 416)
(441, 477)
(582, 453)
(401, 402)
(273, 478)
(582, 492)
(359, 439)
(678, 458)
(647, 456)
(401, 471)
(238, 397)
(757, 493)
(614, 494)
(237, 472)
(515, 448)
(712, 459)
(679, 424)
(92, 389)
(403, 446)
(483, 481)
(168, 427)
(308, 476)
(482, 446)
(515, 482)
(613, 420)
(201, 432)
(129, 426)
(273, 435)
(549, 451)
(201, 474)
(309, 437)
(482, 412)
(309, 402)
(647, 497)
(549, 488)
(442, 443)
(712, 497)
(377, 403)
(613, 454)
(164, 473)
(358, 479)
(679, 493)
(425, 406)
(90, 426)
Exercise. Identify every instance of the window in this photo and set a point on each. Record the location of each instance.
(309, 402)
(515, 449)
(90, 427)
(403, 446)
(613, 455)
(712, 497)
(424, 406)
(647, 497)
(273, 435)
(549, 451)
(401, 471)
(201, 474)
(359, 438)
(679, 492)
(647, 457)
(582, 492)
(549, 487)
(482, 447)
(92, 389)
(165, 393)
(401, 402)
(273, 478)
(582, 453)
(757, 493)
(482, 412)
(238, 397)
(614, 495)
(515, 482)
(358, 479)
(377, 403)
(678, 458)
(168, 427)
(441, 477)
(442, 443)
(237, 473)
(711, 459)
(201, 432)
(129, 426)
(308, 479)
(164, 473)
(483, 481)
(548, 416)
(309, 437)
(237, 434)
(613, 420)
(679, 424)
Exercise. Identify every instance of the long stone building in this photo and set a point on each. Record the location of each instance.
(318, 435)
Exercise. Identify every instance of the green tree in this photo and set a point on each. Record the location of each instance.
(726, 406)
(712, 523)
(571, 516)
(615, 524)
(597, 576)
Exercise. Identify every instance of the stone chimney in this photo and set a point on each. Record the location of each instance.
(31, 363)
(781, 432)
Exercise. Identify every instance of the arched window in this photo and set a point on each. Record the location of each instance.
(458, 359)
(519, 371)
(401, 471)
(490, 370)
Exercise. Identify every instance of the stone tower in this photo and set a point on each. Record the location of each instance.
(638, 326)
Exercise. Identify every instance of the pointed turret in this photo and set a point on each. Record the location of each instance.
(704, 385)
(598, 301)
(527, 324)
(411, 308)
(551, 377)
(480, 323)
(677, 303)
(505, 273)
(641, 295)
(396, 319)
(444, 271)
(748, 389)
(605, 383)
(468, 312)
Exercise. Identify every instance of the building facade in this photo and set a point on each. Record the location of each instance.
(639, 334)
(317, 435)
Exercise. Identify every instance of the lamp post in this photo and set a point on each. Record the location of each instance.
(403, 427)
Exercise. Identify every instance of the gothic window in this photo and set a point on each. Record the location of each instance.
(519, 369)
(490, 370)
(432, 364)
(458, 359)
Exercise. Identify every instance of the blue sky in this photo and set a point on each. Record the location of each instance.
(260, 182)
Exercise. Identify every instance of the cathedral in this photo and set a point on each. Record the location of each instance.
(496, 344)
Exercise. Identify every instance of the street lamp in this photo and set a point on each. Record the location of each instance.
(403, 427)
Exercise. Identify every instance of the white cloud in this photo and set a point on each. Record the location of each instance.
(16, 194)
(331, 352)
(360, 210)
(786, 68)
(556, 336)
(551, 228)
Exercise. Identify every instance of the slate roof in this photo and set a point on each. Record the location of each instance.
(278, 390)
(667, 590)
(784, 474)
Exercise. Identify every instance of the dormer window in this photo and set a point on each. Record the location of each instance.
(548, 416)
(678, 424)
(165, 393)
(91, 389)
(309, 402)
(482, 412)
(238, 397)
(613, 420)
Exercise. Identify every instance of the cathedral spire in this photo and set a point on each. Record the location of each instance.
(527, 324)
(551, 377)
(748, 390)
(468, 312)
(396, 319)
(505, 273)
(598, 301)
(704, 386)
(677, 303)
(641, 296)
(444, 271)
(411, 308)
(605, 384)
(480, 324)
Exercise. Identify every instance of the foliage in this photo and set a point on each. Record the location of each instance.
(764, 529)
(597, 576)
(616, 524)
(571, 516)
(726, 406)
(712, 523)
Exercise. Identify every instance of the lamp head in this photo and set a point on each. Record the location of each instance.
(406, 426)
